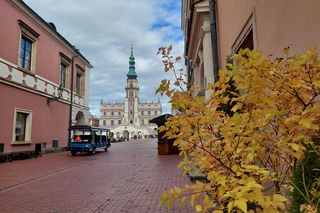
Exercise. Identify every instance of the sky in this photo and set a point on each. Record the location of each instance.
(104, 30)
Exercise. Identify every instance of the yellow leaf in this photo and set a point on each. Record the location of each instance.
(307, 123)
(241, 204)
(230, 206)
(235, 108)
(177, 83)
(182, 201)
(192, 200)
(178, 58)
(198, 208)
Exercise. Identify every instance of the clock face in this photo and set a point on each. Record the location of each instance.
(131, 94)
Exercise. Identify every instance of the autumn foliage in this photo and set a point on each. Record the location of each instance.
(248, 155)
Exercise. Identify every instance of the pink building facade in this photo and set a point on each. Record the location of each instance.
(216, 29)
(35, 81)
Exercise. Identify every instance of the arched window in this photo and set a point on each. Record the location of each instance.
(112, 122)
(104, 122)
(149, 113)
(112, 113)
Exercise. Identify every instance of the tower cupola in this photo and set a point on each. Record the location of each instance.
(132, 69)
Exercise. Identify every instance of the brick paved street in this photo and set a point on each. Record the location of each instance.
(130, 177)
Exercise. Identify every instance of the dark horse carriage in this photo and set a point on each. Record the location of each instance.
(85, 138)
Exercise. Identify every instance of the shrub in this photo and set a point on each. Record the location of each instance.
(250, 148)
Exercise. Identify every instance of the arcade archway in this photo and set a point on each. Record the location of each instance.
(80, 118)
(126, 134)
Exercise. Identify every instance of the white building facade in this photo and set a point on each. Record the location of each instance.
(130, 119)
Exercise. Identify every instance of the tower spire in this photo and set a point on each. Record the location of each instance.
(132, 50)
(132, 69)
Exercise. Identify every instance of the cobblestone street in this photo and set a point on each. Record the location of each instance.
(130, 177)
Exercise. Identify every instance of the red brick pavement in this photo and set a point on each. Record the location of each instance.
(130, 177)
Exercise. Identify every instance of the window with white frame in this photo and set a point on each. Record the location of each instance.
(64, 68)
(22, 126)
(27, 47)
(25, 52)
(80, 82)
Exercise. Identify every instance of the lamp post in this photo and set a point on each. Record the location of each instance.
(71, 95)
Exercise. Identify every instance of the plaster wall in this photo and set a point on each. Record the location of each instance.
(48, 122)
(277, 25)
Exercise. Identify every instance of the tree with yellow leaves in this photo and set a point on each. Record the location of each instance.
(249, 151)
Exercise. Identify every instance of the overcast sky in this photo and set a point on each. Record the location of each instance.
(104, 30)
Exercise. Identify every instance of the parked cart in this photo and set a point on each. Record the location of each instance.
(86, 138)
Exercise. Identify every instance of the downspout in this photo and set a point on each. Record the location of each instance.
(214, 40)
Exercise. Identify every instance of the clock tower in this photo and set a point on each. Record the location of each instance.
(131, 115)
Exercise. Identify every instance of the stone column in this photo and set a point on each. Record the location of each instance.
(207, 56)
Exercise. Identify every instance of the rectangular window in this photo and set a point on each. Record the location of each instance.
(22, 126)
(25, 53)
(27, 47)
(112, 122)
(80, 83)
(21, 121)
(63, 75)
(119, 122)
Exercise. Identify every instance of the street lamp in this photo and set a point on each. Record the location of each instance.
(71, 94)
(51, 99)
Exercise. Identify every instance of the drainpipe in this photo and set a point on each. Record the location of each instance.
(214, 40)
(71, 95)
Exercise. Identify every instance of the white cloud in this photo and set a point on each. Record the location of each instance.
(103, 30)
